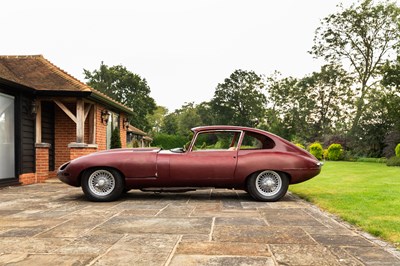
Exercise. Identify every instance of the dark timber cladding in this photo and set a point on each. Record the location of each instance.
(27, 133)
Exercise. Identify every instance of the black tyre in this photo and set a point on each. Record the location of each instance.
(102, 184)
(268, 185)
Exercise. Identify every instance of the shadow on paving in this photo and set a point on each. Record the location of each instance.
(53, 224)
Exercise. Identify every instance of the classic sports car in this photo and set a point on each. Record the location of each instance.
(231, 157)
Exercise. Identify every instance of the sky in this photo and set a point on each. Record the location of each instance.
(183, 48)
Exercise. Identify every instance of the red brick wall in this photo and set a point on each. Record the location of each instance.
(78, 152)
(101, 130)
(42, 168)
(42, 164)
(27, 179)
(122, 131)
(65, 133)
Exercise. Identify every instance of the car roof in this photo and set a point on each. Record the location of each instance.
(226, 127)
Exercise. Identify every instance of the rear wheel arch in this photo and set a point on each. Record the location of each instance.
(259, 171)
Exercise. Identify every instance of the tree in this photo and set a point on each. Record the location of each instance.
(330, 99)
(204, 111)
(170, 124)
(187, 118)
(115, 139)
(310, 108)
(286, 112)
(362, 36)
(126, 87)
(391, 74)
(239, 100)
(155, 120)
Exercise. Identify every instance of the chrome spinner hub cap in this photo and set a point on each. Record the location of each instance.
(268, 183)
(101, 182)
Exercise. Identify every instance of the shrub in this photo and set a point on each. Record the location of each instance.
(334, 139)
(316, 150)
(115, 139)
(390, 141)
(349, 157)
(325, 154)
(372, 160)
(167, 142)
(135, 143)
(393, 161)
(300, 145)
(335, 152)
(397, 150)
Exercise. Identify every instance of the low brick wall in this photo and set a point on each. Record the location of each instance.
(42, 162)
(76, 151)
(27, 179)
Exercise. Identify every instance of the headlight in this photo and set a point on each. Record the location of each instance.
(62, 167)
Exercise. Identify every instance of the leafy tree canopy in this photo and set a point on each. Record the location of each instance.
(239, 100)
(155, 120)
(391, 74)
(126, 87)
(362, 36)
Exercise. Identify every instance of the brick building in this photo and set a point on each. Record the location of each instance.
(48, 117)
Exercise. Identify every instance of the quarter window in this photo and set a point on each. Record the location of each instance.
(254, 141)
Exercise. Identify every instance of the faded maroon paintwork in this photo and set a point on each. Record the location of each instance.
(153, 167)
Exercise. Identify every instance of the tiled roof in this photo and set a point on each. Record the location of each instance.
(38, 73)
(136, 130)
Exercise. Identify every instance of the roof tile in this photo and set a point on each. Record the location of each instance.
(38, 73)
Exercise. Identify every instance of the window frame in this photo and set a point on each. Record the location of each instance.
(239, 141)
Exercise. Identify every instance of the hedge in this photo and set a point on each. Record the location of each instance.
(167, 142)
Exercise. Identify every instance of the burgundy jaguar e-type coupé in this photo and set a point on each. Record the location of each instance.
(231, 157)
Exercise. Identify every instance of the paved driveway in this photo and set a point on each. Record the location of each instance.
(52, 224)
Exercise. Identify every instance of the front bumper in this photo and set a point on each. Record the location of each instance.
(64, 176)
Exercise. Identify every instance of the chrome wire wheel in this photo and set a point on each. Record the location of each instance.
(101, 182)
(268, 183)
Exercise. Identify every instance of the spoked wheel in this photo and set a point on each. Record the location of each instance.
(268, 185)
(102, 184)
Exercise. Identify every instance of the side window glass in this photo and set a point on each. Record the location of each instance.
(209, 141)
(254, 141)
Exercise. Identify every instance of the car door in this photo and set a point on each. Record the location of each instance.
(211, 161)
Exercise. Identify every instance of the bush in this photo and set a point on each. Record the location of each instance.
(390, 141)
(115, 139)
(372, 160)
(393, 161)
(167, 142)
(397, 150)
(300, 145)
(349, 157)
(325, 154)
(135, 143)
(316, 150)
(335, 152)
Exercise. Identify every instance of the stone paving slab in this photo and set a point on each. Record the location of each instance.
(53, 224)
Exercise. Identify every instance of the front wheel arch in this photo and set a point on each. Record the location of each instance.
(268, 185)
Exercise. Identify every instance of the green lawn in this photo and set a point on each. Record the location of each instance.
(364, 194)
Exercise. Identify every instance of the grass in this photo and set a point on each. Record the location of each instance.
(362, 193)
